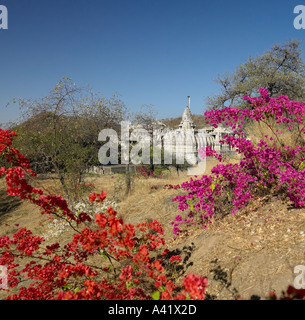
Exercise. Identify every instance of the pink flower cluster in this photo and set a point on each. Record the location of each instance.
(268, 166)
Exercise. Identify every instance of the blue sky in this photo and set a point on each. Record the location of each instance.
(153, 52)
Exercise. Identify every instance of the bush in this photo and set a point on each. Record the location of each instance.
(270, 166)
(128, 260)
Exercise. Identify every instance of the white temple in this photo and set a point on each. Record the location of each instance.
(186, 139)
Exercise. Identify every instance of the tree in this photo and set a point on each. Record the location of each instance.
(280, 70)
(146, 119)
(60, 131)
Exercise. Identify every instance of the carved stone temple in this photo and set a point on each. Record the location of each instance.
(187, 134)
(186, 139)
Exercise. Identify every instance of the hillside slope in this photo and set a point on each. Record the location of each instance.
(174, 122)
(251, 253)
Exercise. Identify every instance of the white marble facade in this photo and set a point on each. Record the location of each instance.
(187, 138)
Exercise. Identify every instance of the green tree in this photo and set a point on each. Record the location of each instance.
(281, 70)
(60, 131)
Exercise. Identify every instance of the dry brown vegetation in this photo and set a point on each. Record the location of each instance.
(174, 122)
(251, 253)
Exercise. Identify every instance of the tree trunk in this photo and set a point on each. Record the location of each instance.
(63, 183)
(127, 180)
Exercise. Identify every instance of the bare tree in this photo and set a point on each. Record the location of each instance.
(281, 70)
(60, 131)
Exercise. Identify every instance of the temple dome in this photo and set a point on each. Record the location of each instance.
(187, 122)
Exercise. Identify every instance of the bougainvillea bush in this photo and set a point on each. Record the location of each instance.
(271, 166)
(105, 259)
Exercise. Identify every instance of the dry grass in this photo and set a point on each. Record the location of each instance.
(253, 252)
(7, 203)
(258, 131)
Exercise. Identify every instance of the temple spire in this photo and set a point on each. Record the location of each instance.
(187, 122)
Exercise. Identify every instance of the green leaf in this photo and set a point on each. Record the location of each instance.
(129, 284)
(103, 255)
(65, 287)
(212, 186)
(156, 295)
(162, 288)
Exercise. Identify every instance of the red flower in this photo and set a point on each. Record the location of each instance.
(175, 258)
(101, 220)
(126, 273)
(102, 196)
(165, 252)
(195, 285)
(92, 197)
(158, 266)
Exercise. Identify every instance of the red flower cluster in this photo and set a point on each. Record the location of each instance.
(145, 172)
(65, 272)
(170, 186)
(100, 197)
(290, 294)
(175, 258)
(195, 286)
